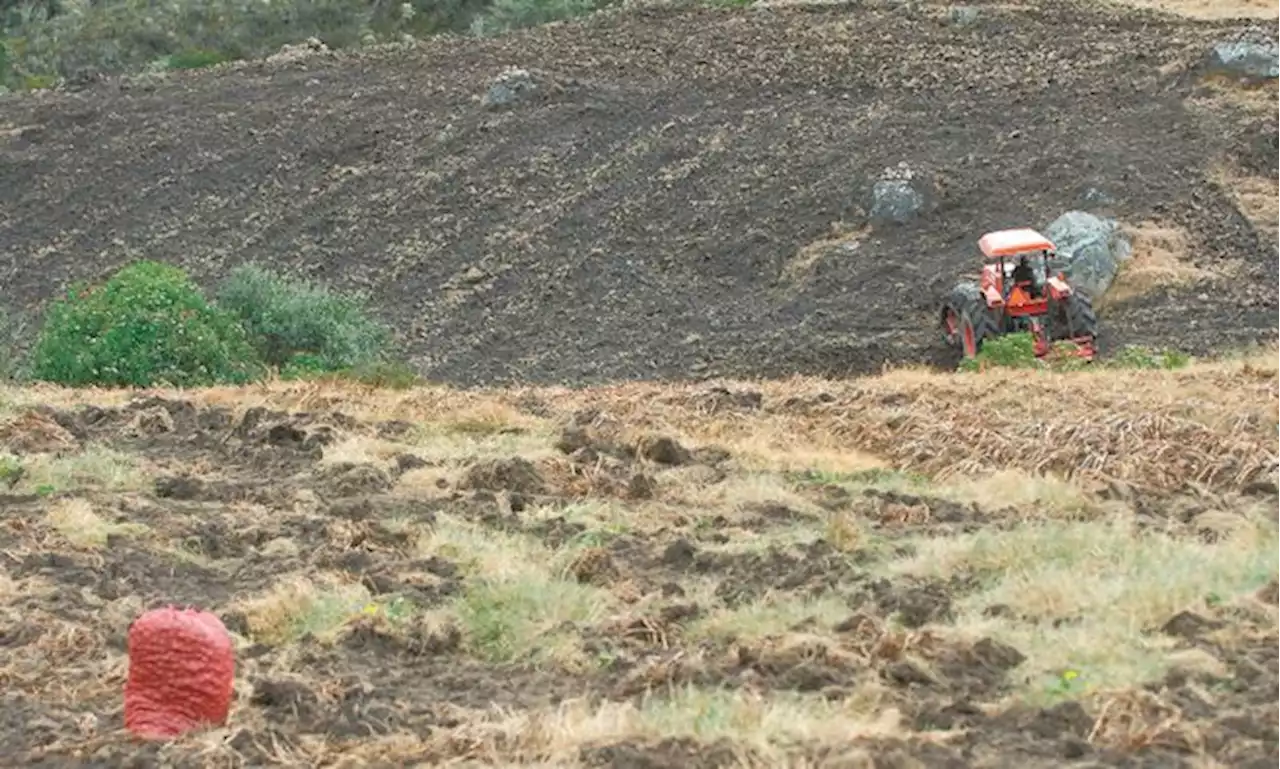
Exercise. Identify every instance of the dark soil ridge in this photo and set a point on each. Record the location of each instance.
(635, 220)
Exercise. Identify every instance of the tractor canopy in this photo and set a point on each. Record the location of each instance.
(1005, 243)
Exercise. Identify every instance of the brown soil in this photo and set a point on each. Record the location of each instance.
(640, 217)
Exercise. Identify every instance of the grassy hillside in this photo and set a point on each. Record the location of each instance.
(668, 203)
(1048, 570)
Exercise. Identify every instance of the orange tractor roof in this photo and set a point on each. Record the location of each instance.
(1010, 242)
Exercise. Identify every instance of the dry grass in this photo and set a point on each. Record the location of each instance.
(1260, 201)
(1161, 259)
(608, 594)
(761, 727)
(301, 605)
(1211, 423)
(1211, 9)
(94, 468)
(82, 526)
(771, 616)
(842, 239)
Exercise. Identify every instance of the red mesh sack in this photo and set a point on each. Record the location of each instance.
(181, 672)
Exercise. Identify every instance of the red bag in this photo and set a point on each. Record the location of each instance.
(181, 673)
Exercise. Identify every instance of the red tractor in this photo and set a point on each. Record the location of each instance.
(1018, 293)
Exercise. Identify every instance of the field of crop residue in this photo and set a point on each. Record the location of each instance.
(912, 570)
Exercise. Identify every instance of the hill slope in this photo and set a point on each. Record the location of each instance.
(642, 216)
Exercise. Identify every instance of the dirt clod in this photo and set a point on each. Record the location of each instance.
(662, 449)
(515, 474)
(349, 479)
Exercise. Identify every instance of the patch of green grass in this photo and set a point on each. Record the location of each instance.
(1139, 357)
(195, 58)
(514, 605)
(1087, 596)
(1017, 351)
(11, 470)
(768, 616)
(97, 467)
(527, 619)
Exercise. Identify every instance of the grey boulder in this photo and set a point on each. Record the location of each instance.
(1245, 59)
(900, 195)
(1090, 250)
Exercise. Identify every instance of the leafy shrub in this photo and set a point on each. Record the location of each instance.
(1008, 351)
(382, 375)
(195, 58)
(506, 15)
(128, 35)
(1136, 356)
(44, 41)
(1018, 351)
(304, 328)
(148, 325)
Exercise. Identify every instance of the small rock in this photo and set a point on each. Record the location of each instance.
(906, 673)
(672, 590)
(997, 655)
(962, 15)
(1097, 197)
(407, 462)
(473, 275)
(285, 434)
(513, 85)
(348, 479)
(1269, 593)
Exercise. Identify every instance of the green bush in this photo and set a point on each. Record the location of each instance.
(195, 58)
(43, 42)
(148, 325)
(1019, 351)
(506, 15)
(1008, 351)
(304, 328)
(1136, 356)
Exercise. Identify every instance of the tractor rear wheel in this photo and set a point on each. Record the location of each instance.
(1076, 318)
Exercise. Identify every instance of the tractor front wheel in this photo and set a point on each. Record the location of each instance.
(962, 296)
(976, 326)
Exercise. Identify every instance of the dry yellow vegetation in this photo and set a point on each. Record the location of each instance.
(1211, 10)
(741, 573)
